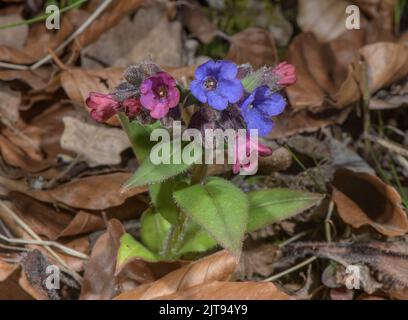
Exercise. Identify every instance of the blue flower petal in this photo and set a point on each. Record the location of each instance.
(228, 69)
(230, 89)
(198, 91)
(217, 101)
(204, 70)
(256, 120)
(273, 105)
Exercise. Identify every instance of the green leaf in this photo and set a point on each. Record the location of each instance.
(154, 230)
(139, 136)
(196, 239)
(218, 207)
(149, 172)
(272, 205)
(131, 248)
(162, 198)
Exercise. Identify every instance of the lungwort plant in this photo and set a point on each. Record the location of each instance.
(191, 212)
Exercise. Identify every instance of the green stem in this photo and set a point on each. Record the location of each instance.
(177, 232)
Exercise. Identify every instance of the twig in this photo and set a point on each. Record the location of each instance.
(52, 182)
(290, 270)
(55, 244)
(23, 225)
(294, 238)
(394, 147)
(328, 222)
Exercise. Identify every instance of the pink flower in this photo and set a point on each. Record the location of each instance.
(132, 107)
(286, 74)
(102, 106)
(243, 154)
(159, 94)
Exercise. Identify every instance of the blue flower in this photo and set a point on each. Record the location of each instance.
(258, 108)
(216, 83)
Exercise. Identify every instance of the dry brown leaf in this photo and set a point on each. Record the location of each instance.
(53, 222)
(97, 145)
(78, 83)
(310, 19)
(256, 259)
(35, 147)
(331, 75)
(197, 23)
(12, 37)
(253, 45)
(10, 288)
(99, 279)
(9, 103)
(326, 19)
(218, 290)
(363, 199)
(39, 40)
(92, 193)
(109, 18)
(217, 267)
(6, 270)
(386, 63)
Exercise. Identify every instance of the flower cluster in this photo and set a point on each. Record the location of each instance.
(229, 96)
(147, 90)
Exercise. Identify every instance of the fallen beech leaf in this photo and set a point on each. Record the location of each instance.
(386, 63)
(109, 18)
(99, 280)
(39, 40)
(218, 290)
(38, 148)
(34, 276)
(6, 270)
(92, 193)
(310, 15)
(389, 260)
(253, 45)
(217, 267)
(197, 23)
(97, 144)
(9, 103)
(10, 288)
(78, 83)
(331, 75)
(256, 259)
(13, 37)
(363, 199)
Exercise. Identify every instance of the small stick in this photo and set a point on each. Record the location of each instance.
(290, 270)
(328, 222)
(63, 248)
(394, 147)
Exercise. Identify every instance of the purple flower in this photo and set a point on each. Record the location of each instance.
(258, 108)
(216, 83)
(103, 106)
(158, 94)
